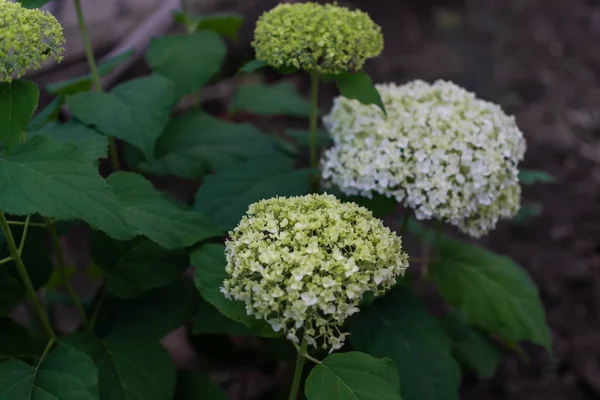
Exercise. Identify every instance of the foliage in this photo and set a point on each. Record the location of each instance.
(269, 251)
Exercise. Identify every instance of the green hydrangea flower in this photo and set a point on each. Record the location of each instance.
(27, 38)
(304, 263)
(316, 38)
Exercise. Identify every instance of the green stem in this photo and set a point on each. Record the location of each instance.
(14, 253)
(23, 223)
(186, 14)
(101, 298)
(300, 360)
(425, 259)
(404, 225)
(24, 235)
(314, 108)
(114, 156)
(64, 275)
(89, 53)
(46, 350)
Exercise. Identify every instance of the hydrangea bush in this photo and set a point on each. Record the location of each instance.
(300, 242)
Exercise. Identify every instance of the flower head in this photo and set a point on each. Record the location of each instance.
(440, 151)
(316, 38)
(27, 38)
(304, 263)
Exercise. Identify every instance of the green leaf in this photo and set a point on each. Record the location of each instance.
(196, 143)
(302, 136)
(279, 99)
(195, 386)
(139, 264)
(225, 196)
(11, 292)
(359, 86)
(225, 23)
(209, 260)
(527, 212)
(189, 61)
(129, 367)
(47, 114)
(471, 348)
(33, 3)
(152, 214)
(353, 376)
(398, 326)
(491, 291)
(381, 206)
(209, 321)
(83, 83)
(18, 101)
(14, 340)
(530, 177)
(253, 65)
(154, 315)
(65, 374)
(136, 111)
(90, 142)
(58, 181)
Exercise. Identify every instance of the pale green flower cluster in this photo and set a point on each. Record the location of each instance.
(304, 263)
(316, 38)
(441, 151)
(27, 38)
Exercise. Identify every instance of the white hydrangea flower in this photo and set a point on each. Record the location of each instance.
(303, 264)
(440, 151)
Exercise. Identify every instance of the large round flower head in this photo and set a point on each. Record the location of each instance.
(316, 38)
(440, 151)
(27, 38)
(304, 263)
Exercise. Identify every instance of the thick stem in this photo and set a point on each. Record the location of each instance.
(314, 108)
(89, 53)
(64, 275)
(16, 256)
(300, 360)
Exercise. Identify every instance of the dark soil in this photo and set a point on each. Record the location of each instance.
(540, 59)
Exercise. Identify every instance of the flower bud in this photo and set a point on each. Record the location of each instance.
(318, 38)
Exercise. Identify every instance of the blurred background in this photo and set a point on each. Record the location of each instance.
(539, 59)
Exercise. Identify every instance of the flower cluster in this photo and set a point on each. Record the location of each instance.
(440, 151)
(316, 38)
(27, 38)
(304, 263)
